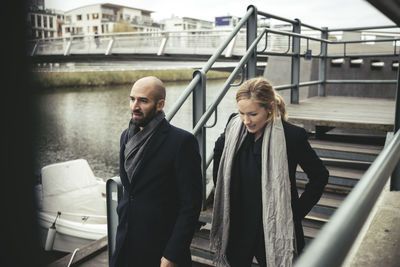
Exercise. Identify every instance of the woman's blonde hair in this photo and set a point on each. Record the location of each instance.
(260, 90)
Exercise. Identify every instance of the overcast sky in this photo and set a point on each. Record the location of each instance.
(321, 13)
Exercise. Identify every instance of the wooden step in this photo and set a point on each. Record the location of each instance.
(346, 147)
(200, 245)
(320, 218)
(345, 163)
(330, 188)
(328, 199)
(328, 202)
(337, 175)
(348, 151)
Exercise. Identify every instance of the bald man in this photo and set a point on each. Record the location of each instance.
(161, 175)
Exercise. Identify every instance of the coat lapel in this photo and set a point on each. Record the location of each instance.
(152, 147)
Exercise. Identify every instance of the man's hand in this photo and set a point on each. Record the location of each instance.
(167, 263)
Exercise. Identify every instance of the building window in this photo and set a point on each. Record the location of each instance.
(67, 29)
(39, 21)
(68, 19)
(44, 21)
(95, 15)
(33, 20)
(87, 16)
(78, 17)
(107, 28)
(51, 22)
(51, 34)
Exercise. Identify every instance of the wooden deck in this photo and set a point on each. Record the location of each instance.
(344, 112)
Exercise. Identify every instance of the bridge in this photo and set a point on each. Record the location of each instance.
(201, 44)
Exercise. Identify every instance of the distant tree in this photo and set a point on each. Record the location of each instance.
(123, 26)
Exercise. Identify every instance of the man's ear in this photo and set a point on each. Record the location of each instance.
(160, 104)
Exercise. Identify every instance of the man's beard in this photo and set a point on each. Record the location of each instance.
(142, 122)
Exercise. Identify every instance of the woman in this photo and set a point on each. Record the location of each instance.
(257, 210)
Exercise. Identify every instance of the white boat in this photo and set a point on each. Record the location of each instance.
(73, 199)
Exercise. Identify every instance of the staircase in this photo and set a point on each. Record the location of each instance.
(346, 154)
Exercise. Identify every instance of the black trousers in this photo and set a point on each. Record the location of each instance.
(241, 256)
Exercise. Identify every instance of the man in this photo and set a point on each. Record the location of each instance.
(161, 175)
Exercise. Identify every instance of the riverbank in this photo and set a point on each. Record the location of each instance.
(49, 80)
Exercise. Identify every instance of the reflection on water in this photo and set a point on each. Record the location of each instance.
(87, 123)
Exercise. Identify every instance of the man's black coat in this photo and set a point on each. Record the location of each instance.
(160, 208)
(299, 152)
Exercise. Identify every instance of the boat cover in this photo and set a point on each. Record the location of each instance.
(71, 187)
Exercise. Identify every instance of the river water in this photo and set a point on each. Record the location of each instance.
(87, 123)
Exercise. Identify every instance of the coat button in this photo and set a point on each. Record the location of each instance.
(131, 197)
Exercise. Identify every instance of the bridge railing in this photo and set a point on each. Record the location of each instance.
(201, 42)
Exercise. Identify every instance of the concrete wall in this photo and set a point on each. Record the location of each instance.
(278, 71)
(363, 72)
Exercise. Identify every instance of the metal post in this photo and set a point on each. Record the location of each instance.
(110, 46)
(35, 48)
(295, 72)
(199, 107)
(163, 44)
(68, 47)
(322, 63)
(251, 36)
(395, 178)
(114, 191)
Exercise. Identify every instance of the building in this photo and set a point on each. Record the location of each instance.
(44, 23)
(231, 21)
(102, 18)
(226, 21)
(186, 24)
(36, 5)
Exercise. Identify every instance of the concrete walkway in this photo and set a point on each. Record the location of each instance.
(378, 243)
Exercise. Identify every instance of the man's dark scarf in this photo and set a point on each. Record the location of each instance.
(136, 143)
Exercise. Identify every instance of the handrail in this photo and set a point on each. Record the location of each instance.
(301, 36)
(363, 28)
(332, 244)
(226, 86)
(114, 192)
(366, 41)
(208, 65)
(360, 81)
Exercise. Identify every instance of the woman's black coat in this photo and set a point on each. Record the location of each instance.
(299, 152)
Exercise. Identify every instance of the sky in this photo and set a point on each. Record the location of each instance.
(320, 13)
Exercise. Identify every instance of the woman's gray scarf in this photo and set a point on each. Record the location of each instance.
(276, 198)
(137, 143)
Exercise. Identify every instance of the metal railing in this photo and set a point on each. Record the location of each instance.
(191, 42)
(246, 68)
